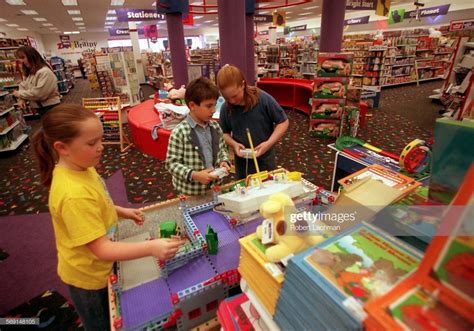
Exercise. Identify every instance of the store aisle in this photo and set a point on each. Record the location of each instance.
(147, 180)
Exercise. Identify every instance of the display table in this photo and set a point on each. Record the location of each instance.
(289, 92)
(141, 120)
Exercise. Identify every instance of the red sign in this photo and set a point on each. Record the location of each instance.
(151, 32)
(461, 25)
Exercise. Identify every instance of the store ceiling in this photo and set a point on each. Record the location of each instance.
(51, 16)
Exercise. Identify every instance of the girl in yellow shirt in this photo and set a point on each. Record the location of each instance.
(68, 146)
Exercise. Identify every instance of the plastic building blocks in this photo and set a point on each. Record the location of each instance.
(167, 229)
(211, 240)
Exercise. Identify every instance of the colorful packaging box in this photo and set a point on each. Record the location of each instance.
(324, 128)
(327, 108)
(330, 87)
(334, 64)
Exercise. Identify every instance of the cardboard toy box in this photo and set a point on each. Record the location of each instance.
(330, 87)
(327, 108)
(324, 128)
(334, 64)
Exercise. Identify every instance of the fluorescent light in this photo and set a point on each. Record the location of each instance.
(312, 7)
(22, 29)
(29, 12)
(196, 3)
(79, 23)
(111, 18)
(111, 12)
(15, 2)
(52, 29)
(40, 19)
(75, 32)
(209, 21)
(265, 12)
(153, 4)
(69, 2)
(12, 25)
(77, 19)
(74, 12)
(3, 20)
(82, 28)
(109, 23)
(47, 24)
(305, 14)
(198, 17)
(67, 32)
(117, 2)
(57, 31)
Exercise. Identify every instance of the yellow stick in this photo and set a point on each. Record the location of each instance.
(253, 151)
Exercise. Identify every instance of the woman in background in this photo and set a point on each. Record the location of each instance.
(40, 86)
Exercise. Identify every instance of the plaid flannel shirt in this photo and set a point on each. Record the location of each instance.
(184, 155)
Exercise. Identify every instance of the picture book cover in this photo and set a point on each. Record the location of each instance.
(419, 310)
(242, 314)
(363, 263)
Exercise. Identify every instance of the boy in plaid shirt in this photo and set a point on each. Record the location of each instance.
(196, 145)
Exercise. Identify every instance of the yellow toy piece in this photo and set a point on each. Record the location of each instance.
(295, 176)
(285, 242)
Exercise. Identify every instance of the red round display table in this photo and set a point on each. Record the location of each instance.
(141, 120)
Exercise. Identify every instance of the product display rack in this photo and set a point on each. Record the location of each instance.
(124, 74)
(109, 112)
(10, 68)
(59, 68)
(11, 129)
(157, 68)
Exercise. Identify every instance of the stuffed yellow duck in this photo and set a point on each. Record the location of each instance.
(284, 242)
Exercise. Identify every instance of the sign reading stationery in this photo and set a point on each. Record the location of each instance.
(357, 20)
(127, 15)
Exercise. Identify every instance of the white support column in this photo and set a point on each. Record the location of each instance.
(132, 26)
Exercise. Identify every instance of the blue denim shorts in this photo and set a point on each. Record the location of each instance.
(92, 307)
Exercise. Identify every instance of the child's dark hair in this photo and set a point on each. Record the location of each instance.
(201, 89)
(34, 58)
(62, 123)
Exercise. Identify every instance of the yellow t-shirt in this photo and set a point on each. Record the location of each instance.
(82, 211)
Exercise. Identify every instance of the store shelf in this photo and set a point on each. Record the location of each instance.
(399, 65)
(14, 145)
(403, 83)
(5, 131)
(430, 68)
(10, 47)
(431, 78)
(3, 93)
(6, 111)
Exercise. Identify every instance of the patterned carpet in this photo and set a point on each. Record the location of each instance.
(405, 113)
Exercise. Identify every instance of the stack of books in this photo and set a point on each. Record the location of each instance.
(327, 286)
(263, 277)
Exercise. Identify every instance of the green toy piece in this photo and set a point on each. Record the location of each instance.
(167, 229)
(211, 240)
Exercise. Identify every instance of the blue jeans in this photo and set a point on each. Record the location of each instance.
(92, 307)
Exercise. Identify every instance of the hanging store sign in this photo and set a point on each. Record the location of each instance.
(298, 28)
(262, 18)
(151, 32)
(65, 41)
(357, 20)
(172, 6)
(263, 33)
(431, 11)
(361, 4)
(461, 25)
(129, 15)
(279, 18)
(396, 16)
(117, 32)
(382, 8)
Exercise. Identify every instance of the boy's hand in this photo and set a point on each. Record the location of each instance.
(203, 176)
(262, 148)
(225, 165)
(135, 215)
(165, 248)
(237, 147)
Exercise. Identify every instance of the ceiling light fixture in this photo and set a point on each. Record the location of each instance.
(111, 12)
(198, 17)
(209, 21)
(74, 12)
(79, 23)
(29, 12)
(75, 32)
(111, 18)
(3, 20)
(53, 28)
(47, 24)
(312, 7)
(69, 2)
(15, 2)
(80, 19)
(22, 29)
(40, 19)
(117, 2)
(305, 14)
(12, 25)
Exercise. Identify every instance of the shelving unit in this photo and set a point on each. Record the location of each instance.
(11, 130)
(109, 111)
(10, 68)
(158, 70)
(59, 68)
